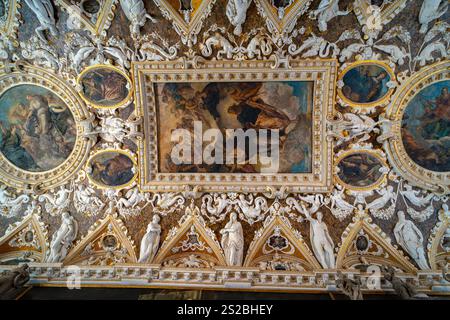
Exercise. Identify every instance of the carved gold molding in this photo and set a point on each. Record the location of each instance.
(321, 72)
(20, 179)
(395, 150)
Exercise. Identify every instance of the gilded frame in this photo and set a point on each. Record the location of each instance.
(123, 103)
(367, 105)
(111, 150)
(395, 150)
(378, 154)
(9, 28)
(322, 72)
(21, 179)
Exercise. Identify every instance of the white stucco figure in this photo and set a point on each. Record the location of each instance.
(233, 241)
(431, 10)
(327, 10)
(236, 12)
(136, 13)
(43, 9)
(409, 237)
(150, 241)
(63, 238)
(321, 242)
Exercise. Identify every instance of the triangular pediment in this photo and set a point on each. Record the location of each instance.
(276, 23)
(278, 246)
(25, 241)
(106, 243)
(189, 25)
(191, 245)
(98, 22)
(364, 243)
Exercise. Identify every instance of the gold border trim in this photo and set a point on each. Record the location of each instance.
(112, 150)
(126, 101)
(359, 105)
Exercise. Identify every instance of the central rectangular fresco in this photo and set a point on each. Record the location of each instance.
(238, 127)
(284, 106)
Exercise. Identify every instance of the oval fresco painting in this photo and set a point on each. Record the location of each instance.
(37, 129)
(426, 127)
(365, 83)
(104, 87)
(360, 170)
(111, 168)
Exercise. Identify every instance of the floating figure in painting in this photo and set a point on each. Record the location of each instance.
(37, 131)
(365, 84)
(359, 170)
(104, 87)
(150, 241)
(112, 169)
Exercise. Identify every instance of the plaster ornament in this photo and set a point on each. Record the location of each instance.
(338, 206)
(236, 12)
(63, 238)
(13, 281)
(327, 10)
(217, 205)
(397, 55)
(150, 241)
(431, 10)
(136, 14)
(315, 46)
(55, 203)
(409, 237)
(403, 289)
(281, 7)
(86, 201)
(10, 205)
(252, 209)
(150, 51)
(43, 9)
(414, 196)
(233, 241)
(186, 9)
(129, 204)
(355, 126)
(321, 242)
(426, 55)
(349, 287)
(40, 53)
(167, 202)
(388, 197)
(217, 41)
(259, 46)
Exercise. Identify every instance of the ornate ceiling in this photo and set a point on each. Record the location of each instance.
(91, 92)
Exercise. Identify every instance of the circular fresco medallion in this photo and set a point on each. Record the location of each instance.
(365, 83)
(111, 169)
(91, 6)
(37, 129)
(426, 127)
(360, 170)
(105, 86)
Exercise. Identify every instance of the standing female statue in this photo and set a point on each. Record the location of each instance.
(150, 241)
(233, 241)
(63, 238)
(409, 237)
